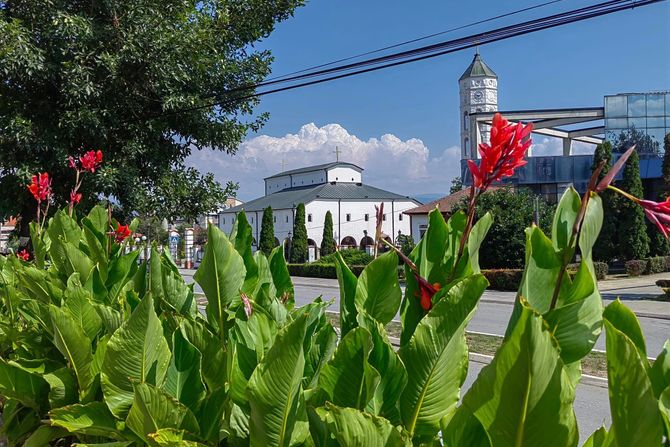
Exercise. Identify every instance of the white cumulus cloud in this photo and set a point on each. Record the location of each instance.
(402, 166)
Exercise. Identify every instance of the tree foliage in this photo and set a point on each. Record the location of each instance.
(456, 185)
(267, 242)
(633, 238)
(644, 144)
(299, 242)
(327, 242)
(513, 211)
(606, 248)
(119, 77)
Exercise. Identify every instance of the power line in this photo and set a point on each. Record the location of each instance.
(430, 51)
(418, 39)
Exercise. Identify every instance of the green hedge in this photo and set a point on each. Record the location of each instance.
(504, 279)
(350, 256)
(601, 268)
(316, 270)
(647, 266)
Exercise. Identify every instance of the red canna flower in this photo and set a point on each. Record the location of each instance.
(23, 255)
(426, 291)
(91, 160)
(505, 153)
(121, 232)
(658, 214)
(40, 187)
(75, 197)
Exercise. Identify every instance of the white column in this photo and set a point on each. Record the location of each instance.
(188, 245)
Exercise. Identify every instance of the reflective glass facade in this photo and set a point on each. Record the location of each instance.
(648, 113)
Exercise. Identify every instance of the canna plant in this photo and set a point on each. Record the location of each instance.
(100, 350)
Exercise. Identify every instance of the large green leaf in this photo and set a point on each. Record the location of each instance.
(275, 388)
(660, 370)
(281, 277)
(599, 438)
(349, 427)
(78, 304)
(591, 225)
(321, 349)
(169, 437)
(154, 409)
(664, 407)
(183, 380)
(43, 436)
(348, 284)
(137, 352)
(377, 291)
(436, 359)
(28, 388)
(476, 238)
(221, 276)
(214, 367)
(433, 256)
(62, 387)
(392, 372)
(348, 379)
(92, 419)
(210, 417)
(72, 342)
(524, 396)
(242, 238)
(564, 221)
(39, 245)
(636, 419)
(121, 271)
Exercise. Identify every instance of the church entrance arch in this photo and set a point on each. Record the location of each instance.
(367, 244)
(311, 250)
(348, 242)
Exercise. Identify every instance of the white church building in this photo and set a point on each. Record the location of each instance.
(336, 187)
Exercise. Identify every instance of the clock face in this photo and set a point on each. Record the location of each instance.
(479, 95)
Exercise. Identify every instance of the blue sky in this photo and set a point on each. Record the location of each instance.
(401, 124)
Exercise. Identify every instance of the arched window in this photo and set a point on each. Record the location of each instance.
(466, 121)
(467, 147)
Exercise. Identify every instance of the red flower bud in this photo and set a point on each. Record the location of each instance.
(40, 187)
(23, 255)
(91, 160)
(121, 233)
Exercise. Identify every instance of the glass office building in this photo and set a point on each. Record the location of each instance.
(648, 113)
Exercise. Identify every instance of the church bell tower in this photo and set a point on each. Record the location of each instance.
(478, 88)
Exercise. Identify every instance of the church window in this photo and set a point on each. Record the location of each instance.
(286, 219)
(384, 217)
(224, 220)
(233, 220)
(467, 147)
(252, 220)
(466, 121)
(309, 217)
(274, 219)
(348, 217)
(367, 217)
(400, 216)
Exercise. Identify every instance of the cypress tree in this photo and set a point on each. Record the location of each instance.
(299, 242)
(633, 238)
(605, 247)
(267, 242)
(327, 242)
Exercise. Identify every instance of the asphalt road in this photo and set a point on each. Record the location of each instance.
(591, 403)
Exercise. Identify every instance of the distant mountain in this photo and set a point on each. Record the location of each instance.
(428, 197)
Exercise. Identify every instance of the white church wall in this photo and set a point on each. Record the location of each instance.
(277, 184)
(419, 226)
(344, 175)
(356, 225)
(309, 178)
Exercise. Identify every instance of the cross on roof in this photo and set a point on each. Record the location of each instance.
(337, 153)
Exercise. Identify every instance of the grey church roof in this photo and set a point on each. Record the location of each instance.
(478, 68)
(289, 198)
(315, 168)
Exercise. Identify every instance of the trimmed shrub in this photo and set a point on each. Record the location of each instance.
(665, 285)
(504, 279)
(316, 270)
(657, 264)
(351, 257)
(602, 269)
(667, 263)
(636, 267)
